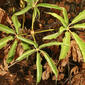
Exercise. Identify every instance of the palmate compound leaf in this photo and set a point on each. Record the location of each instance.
(4, 41)
(80, 43)
(39, 67)
(49, 6)
(50, 62)
(16, 23)
(55, 35)
(65, 47)
(6, 29)
(79, 17)
(11, 52)
(49, 44)
(26, 54)
(59, 18)
(27, 41)
(79, 26)
(65, 15)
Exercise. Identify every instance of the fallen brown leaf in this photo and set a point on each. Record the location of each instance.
(46, 73)
(75, 70)
(4, 17)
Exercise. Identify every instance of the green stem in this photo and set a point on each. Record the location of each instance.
(71, 27)
(37, 32)
(32, 23)
(43, 31)
(36, 2)
(69, 24)
(24, 34)
(34, 37)
(22, 5)
(40, 32)
(23, 21)
(70, 31)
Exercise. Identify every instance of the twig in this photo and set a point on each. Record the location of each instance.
(12, 64)
(69, 73)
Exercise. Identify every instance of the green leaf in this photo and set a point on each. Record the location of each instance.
(55, 35)
(16, 23)
(27, 41)
(49, 6)
(77, 26)
(38, 12)
(6, 29)
(12, 52)
(49, 44)
(65, 16)
(51, 63)
(58, 17)
(4, 41)
(36, 0)
(39, 68)
(23, 11)
(27, 0)
(80, 43)
(52, 36)
(34, 16)
(26, 54)
(79, 17)
(61, 29)
(65, 47)
(3, 45)
(25, 46)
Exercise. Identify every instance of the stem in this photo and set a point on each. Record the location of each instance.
(32, 23)
(43, 31)
(70, 31)
(69, 73)
(37, 32)
(24, 34)
(69, 24)
(33, 35)
(22, 5)
(71, 27)
(35, 3)
(23, 21)
(12, 64)
(40, 32)
(34, 38)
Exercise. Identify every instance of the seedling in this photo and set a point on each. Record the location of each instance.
(32, 4)
(16, 36)
(66, 27)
